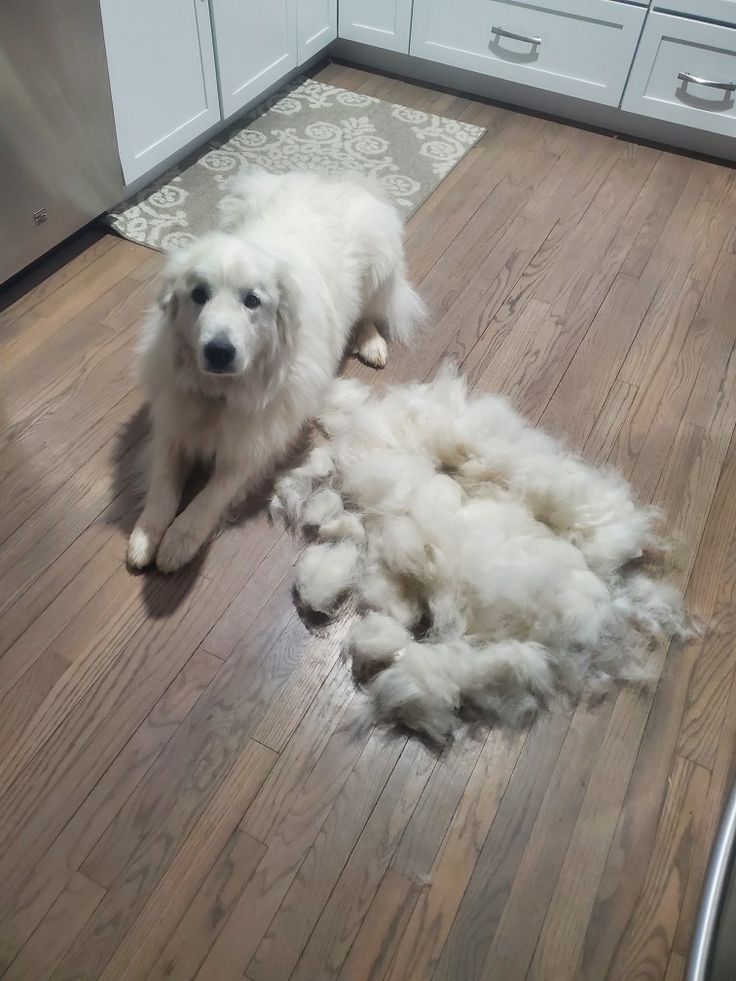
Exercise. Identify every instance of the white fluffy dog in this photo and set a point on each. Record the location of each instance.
(252, 324)
(490, 564)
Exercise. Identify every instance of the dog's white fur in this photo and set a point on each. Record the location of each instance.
(323, 258)
(493, 562)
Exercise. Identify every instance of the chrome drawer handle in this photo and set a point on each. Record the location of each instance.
(726, 86)
(500, 32)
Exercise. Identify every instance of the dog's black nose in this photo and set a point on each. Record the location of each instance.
(219, 354)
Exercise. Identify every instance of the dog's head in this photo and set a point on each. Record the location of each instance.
(226, 303)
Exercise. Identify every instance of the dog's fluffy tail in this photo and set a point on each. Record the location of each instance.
(398, 308)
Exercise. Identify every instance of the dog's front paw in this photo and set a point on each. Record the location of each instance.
(179, 546)
(141, 548)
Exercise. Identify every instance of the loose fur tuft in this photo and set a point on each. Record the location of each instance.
(325, 574)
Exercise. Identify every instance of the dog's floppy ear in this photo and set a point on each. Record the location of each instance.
(286, 319)
(168, 302)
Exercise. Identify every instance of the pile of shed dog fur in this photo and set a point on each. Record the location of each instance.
(494, 571)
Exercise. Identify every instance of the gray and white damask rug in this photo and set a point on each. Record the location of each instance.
(314, 127)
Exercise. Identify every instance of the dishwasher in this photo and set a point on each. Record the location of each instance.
(59, 166)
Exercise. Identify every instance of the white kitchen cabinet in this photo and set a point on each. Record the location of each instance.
(316, 26)
(162, 76)
(685, 72)
(581, 48)
(256, 44)
(382, 23)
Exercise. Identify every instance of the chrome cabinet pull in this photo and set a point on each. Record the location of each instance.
(500, 32)
(726, 86)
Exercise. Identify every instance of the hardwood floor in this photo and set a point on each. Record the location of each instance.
(183, 793)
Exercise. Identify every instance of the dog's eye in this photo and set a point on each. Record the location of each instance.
(251, 300)
(200, 295)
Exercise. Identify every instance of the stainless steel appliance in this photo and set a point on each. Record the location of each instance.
(713, 952)
(59, 164)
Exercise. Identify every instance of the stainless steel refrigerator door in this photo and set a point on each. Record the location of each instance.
(59, 165)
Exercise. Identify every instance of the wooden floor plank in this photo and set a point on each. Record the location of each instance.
(349, 776)
(675, 968)
(647, 942)
(710, 683)
(419, 947)
(178, 786)
(48, 943)
(48, 791)
(87, 647)
(198, 929)
(695, 461)
(440, 799)
(513, 944)
(53, 271)
(45, 881)
(594, 367)
(722, 781)
(176, 889)
(71, 299)
(374, 947)
(296, 760)
(489, 885)
(289, 930)
(639, 818)
(355, 889)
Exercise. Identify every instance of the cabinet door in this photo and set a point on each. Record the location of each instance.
(162, 77)
(316, 26)
(383, 23)
(255, 41)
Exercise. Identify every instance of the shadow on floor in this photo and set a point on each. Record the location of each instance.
(164, 594)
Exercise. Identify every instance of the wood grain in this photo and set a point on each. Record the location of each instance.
(296, 760)
(180, 883)
(723, 778)
(523, 915)
(49, 941)
(176, 790)
(49, 876)
(190, 942)
(374, 947)
(647, 942)
(352, 895)
(432, 918)
(351, 772)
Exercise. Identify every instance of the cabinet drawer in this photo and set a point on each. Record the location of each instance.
(581, 48)
(720, 10)
(672, 46)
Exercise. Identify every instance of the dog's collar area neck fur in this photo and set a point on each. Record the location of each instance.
(220, 398)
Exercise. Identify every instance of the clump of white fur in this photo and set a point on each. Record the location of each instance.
(490, 564)
(325, 574)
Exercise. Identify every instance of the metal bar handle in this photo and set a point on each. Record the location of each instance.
(500, 32)
(726, 86)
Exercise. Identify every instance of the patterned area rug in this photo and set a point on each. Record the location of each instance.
(313, 127)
